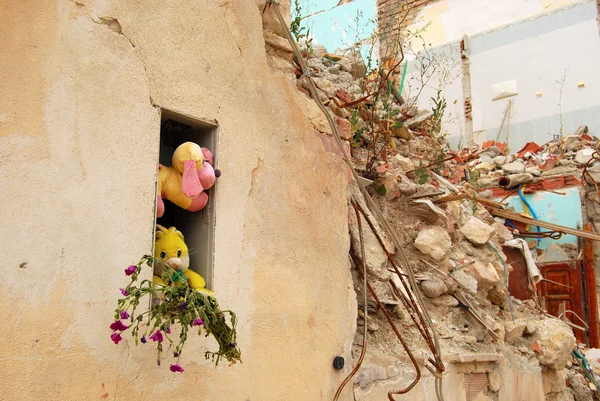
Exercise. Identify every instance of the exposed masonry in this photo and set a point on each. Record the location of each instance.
(393, 17)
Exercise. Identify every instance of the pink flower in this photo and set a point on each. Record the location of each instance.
(157, 336)
(168, 330)
(130, 270)
(198, 322)
(124, 314)
(116, 337)
(176, 368)
(118, 326)
(123, 291)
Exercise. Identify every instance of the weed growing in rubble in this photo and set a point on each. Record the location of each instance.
(297, 29)
(560, 95)
(357, 132)
(174, 306)
(439, 106)
(421, 173)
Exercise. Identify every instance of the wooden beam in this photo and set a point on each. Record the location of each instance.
(540, 223)
(591, 296)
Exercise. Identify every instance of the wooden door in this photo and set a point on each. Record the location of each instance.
(568, 290)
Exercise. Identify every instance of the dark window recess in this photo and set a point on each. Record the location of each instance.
(198, 228)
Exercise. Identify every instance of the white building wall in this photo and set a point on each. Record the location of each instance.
(536, 53)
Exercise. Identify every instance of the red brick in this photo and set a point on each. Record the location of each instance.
(487, 144)
(343, 127)
(345, 96)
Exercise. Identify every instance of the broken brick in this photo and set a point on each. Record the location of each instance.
(487, 144)
(343, 95)
(343, 127)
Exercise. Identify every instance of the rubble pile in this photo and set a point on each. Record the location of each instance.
(455, 246)
(492, 166)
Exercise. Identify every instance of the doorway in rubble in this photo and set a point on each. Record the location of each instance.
(568, 291)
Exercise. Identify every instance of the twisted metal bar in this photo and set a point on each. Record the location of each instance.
(373, 207)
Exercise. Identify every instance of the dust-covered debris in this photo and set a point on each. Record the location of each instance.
(433, 196)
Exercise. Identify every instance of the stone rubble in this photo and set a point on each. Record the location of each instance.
(433, 241)
(556, 341)
(454, 237)
(477, 231)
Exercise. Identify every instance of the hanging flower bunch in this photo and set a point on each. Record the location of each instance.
(172, 305)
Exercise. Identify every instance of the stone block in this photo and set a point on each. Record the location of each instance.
(433, 241)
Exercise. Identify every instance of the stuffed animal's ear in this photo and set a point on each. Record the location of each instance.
(179, 234)
(160, 232)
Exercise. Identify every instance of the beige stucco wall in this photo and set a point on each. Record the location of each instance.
(445, 21)
(79, 128)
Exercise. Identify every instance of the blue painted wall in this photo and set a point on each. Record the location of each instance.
(553, 208)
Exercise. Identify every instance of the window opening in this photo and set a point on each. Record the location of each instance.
(197, 227)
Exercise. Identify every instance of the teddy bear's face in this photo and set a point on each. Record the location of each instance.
(170, 248)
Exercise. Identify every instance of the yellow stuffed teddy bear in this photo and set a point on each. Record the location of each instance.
(170, 248)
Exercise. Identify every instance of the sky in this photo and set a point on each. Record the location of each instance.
(336, 28)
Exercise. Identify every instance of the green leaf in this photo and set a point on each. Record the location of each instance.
(381, 190)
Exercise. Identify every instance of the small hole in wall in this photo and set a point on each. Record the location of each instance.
(198, 228)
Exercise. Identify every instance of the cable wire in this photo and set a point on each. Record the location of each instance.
(372, 206)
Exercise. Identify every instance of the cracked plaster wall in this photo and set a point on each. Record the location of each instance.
(79, 128)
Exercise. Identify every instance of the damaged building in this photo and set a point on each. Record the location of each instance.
(412, 213)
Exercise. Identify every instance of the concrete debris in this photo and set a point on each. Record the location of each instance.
(514, 331)
(406, 186)
(372, 326)
(498, 296)
(445, 300)
(433, 288)
(417, 121)
(369, 373)
(486, 166)
(499, 160)
(553, 253)
(534, 171)
(584, 155)
(594, 174)
(579, 386)
(530, 328)
(514, 168)
(491, 152)
(376, 258)
(503, 234)
(555, 384)
(411, 165)
(486, 275)
(556, 341)
(477, 231)
(468, 282)
(433, 241)
(404, 162)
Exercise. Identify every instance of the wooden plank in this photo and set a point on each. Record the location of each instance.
(518, 279)
(591, 296)
(540, 223)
